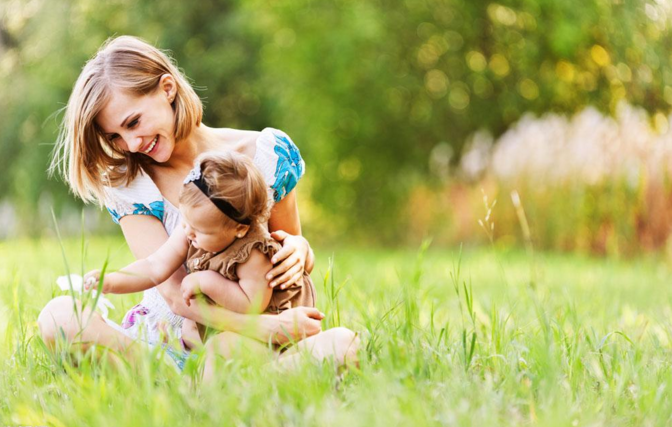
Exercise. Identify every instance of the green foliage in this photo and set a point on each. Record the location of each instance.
(372, 92)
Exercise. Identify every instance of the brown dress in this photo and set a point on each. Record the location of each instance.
(238, 252)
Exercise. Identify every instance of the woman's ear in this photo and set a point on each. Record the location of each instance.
(168, 86)
(241, 230)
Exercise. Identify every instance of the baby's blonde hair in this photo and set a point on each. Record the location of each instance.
(83, 156)
(232, 177)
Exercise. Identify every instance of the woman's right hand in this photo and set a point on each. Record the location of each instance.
(291, 260)
(294, 324)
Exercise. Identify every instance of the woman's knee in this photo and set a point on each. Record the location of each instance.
(345, 344)
(58, 315)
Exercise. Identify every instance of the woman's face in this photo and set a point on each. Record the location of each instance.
(141, 124)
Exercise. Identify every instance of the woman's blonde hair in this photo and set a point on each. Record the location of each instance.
(232, 177)
(83, 156)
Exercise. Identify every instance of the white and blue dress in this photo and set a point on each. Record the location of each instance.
(281, 165)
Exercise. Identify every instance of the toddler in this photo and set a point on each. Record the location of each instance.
(224, 241)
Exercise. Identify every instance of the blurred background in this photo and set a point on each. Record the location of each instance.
(408, 113)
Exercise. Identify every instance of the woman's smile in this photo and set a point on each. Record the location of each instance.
(152, 145)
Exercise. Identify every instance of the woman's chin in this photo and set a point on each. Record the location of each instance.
(160, 153)
(160, 159)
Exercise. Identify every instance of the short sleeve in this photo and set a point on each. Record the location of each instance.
(279, 161)
(140, 197)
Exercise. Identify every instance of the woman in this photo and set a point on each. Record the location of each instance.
(130, 134)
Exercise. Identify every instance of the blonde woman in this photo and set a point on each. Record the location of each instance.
(131, 132)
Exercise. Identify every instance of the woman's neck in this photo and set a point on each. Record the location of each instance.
(185, 152)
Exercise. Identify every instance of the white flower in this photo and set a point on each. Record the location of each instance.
(73, 282)
(76, 283)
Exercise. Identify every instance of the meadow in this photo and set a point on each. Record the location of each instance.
(474, 336)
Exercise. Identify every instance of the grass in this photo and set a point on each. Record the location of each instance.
(448, 338)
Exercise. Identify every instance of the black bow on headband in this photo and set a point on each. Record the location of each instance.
(225, 207)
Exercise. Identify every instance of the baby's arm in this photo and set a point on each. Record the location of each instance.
(144, 273)
(250, 293)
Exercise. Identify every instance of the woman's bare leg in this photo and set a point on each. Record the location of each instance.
(338, 344)
(228, 345)
(58, 319)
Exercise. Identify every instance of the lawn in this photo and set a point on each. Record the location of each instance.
(475, 337)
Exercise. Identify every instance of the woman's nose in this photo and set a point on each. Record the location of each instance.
(135, 144)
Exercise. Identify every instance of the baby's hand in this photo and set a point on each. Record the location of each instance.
(190, 288)
(91, 280)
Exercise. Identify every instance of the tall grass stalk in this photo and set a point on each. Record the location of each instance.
(331, 290)
(527, 236)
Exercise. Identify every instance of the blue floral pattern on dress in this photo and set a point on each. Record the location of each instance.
(289, 168)
(155, 209)
(115, 216)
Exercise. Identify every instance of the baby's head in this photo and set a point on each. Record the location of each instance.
(220, 203)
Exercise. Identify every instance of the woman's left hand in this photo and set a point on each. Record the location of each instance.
(294, 254)
(294, 324)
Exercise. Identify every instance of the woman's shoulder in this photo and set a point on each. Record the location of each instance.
(273, 152)
(252, 142)
(242, 141)
(279, 160)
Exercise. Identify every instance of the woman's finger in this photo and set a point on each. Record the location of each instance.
(296, 279)
(313, 313)
(312, 327)
(282, 268)
(283, 253)
(283, 280)
(279, 235)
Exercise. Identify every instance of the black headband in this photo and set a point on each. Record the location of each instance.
(225, 207)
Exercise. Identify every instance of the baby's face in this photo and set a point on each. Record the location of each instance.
(203, 225)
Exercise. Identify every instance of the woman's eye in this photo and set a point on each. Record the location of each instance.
(113, 137)
(133, 123)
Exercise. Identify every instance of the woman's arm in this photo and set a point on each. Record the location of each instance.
(285, 215)
(147, 272)
(296, 253)
(294, 324)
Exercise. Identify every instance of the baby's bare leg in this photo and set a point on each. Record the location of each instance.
(222, 291)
